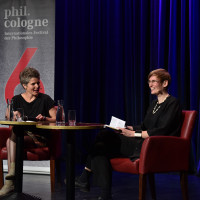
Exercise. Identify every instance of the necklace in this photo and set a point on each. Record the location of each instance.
(157, 107)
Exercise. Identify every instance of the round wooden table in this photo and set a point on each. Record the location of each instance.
(17, 194)
(70, 150)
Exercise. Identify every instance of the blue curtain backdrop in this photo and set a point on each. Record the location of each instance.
(106, 48)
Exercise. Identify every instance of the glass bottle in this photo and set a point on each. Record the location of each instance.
(60, 114)
(11, 110)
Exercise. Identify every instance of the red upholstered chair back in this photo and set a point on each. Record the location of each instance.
(188, 123)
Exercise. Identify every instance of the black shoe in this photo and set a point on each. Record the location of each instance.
(84, 186)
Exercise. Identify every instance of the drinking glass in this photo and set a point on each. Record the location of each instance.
(72, 117)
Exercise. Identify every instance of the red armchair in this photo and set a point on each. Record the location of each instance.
(51, 153)
(161, 154)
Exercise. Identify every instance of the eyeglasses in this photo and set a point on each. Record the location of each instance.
(153, 81)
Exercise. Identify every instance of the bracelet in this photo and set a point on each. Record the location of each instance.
(138, 134)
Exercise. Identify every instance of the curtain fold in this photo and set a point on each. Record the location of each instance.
(106, 48)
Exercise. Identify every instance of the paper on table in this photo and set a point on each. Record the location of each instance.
(116, 123)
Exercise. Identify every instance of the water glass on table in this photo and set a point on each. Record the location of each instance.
(72, 117)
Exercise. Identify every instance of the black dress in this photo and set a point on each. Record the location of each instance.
(160, 119)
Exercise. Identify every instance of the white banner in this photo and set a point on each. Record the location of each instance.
(27, 34)
(27, 38)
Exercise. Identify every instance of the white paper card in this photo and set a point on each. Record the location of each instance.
(116, 123)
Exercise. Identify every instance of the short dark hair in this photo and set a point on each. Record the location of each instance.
(27, 74)
(161, 74)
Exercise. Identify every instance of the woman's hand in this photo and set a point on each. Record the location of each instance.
(41, 117)
(52, 118)
(17, 116)
(127, 132)
(130, 128)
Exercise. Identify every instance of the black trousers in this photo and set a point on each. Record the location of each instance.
(110, 144)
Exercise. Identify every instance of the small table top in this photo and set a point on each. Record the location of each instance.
(46, 125)
(79, 126)
(7, 122)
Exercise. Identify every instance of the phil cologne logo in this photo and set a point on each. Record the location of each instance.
(13, 81)
(18, 18)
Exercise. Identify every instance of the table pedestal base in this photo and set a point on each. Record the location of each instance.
(20, 196)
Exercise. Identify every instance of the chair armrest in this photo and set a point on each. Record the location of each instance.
(164, 154)
(4, 135)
